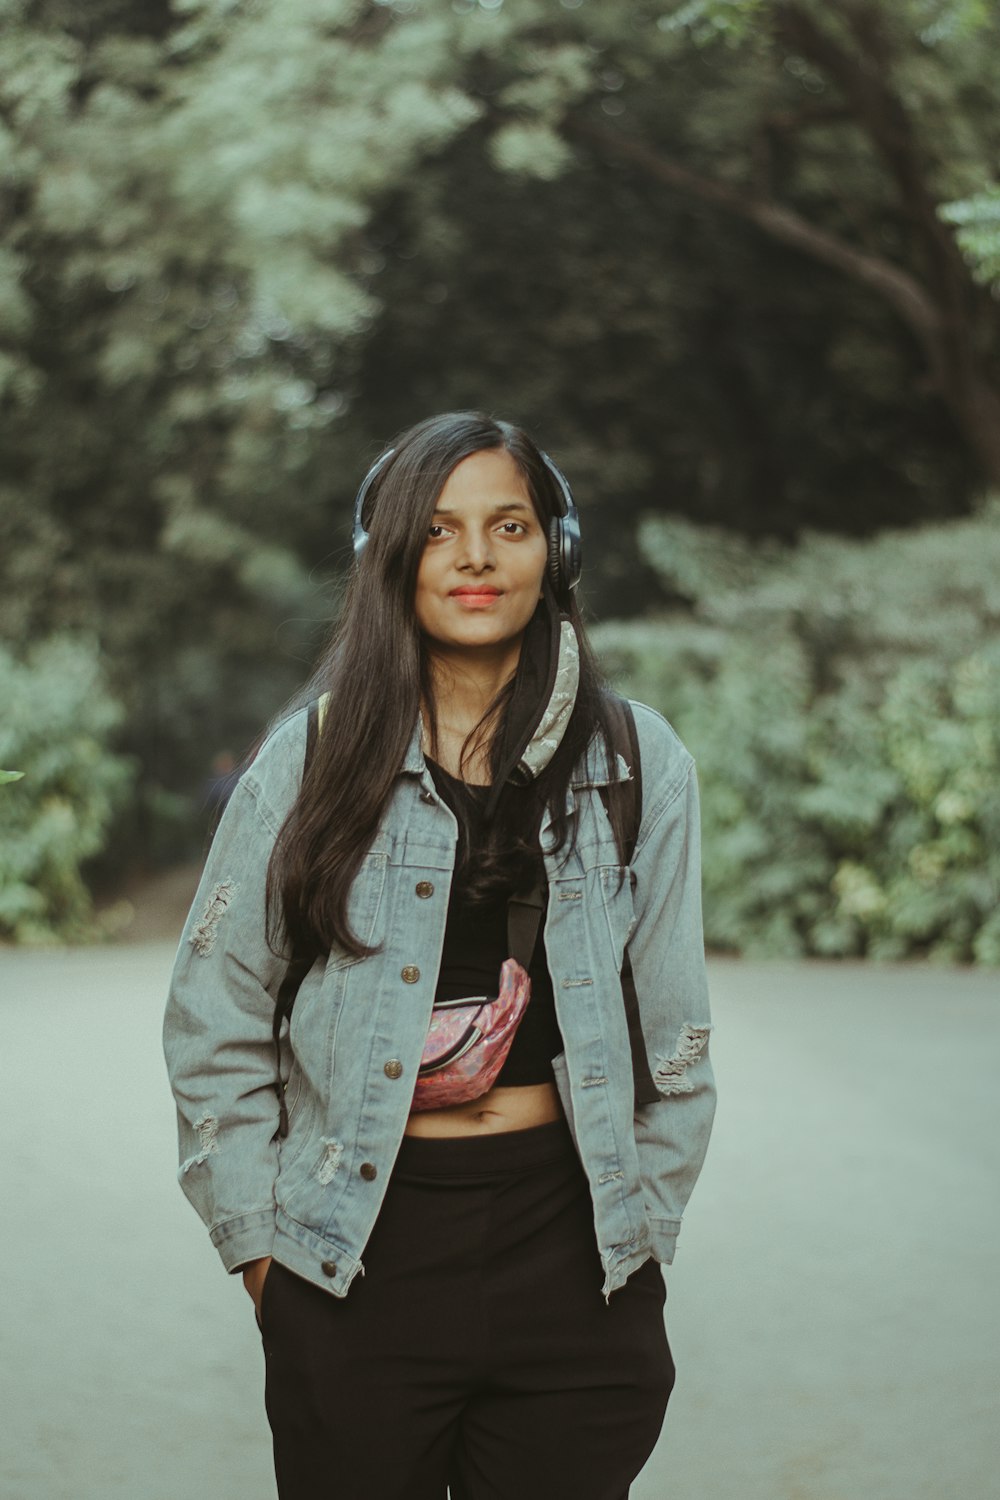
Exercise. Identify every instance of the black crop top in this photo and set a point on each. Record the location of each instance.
(475, 946)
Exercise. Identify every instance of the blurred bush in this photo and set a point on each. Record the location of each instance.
(842, 700)
(57, 722)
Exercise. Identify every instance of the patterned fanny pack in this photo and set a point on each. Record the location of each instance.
(468, 1041)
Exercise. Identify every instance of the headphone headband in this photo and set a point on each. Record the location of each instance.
(360, 534)
(564, 530)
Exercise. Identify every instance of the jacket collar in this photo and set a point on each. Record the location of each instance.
(596, 768)
(413, 761)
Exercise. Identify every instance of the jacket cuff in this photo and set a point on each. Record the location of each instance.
(245, 1238)
(663, 1239)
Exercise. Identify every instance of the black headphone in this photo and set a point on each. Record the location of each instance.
(564, 529)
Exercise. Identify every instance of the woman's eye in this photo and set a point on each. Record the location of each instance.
(435, 531)
(517, 525)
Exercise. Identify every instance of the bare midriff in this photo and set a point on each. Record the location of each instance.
(499, 1109)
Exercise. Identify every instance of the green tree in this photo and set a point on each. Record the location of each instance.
(240, 242)
(894, 93)
(843, 704)
(58, 721)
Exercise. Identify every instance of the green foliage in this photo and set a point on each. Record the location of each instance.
(711, 368)
(533, 150)
(978, 224)
(706, 21)
(843, 704)
(58, 720)
(245, 242)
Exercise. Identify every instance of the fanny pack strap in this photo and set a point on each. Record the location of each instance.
(524, 917)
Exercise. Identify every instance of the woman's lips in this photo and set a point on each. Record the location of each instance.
(471, 599)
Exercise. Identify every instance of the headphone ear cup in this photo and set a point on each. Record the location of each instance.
(555, 554)
(563, 538)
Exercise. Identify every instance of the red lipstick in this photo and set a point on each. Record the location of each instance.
(476, 596)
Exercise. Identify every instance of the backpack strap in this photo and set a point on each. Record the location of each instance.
(625, 742)
(525, 909)
(314, 719)
(295, 973)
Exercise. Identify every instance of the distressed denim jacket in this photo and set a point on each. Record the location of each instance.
(357, 1031)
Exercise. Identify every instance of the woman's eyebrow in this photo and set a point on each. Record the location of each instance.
(497, 510)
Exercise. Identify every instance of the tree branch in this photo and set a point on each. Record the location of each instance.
(865, 81)
(897, 286)
(864, 78)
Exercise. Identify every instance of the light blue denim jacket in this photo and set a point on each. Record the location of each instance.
(358, 1027)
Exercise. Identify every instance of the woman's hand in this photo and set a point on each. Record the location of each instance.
(254, 1276)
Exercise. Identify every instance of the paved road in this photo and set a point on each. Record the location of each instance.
(834, 1307)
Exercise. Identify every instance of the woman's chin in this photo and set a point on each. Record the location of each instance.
(476, 634)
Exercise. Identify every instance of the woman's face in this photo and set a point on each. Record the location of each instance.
(480, 576)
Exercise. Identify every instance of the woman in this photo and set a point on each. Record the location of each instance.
(469, 1294)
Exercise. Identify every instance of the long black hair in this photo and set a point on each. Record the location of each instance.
(377, 670)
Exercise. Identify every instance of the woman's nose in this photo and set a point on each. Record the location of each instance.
(477, 552)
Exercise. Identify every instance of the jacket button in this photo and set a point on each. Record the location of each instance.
(410, 973)
(329, 1268)
(368, 1170)
(393, 1068)
(424, 888)
(427, 796)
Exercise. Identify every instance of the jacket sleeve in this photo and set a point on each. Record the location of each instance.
(217, 1038)
(668, 963)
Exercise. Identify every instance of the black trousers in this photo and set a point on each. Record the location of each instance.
(477, 1352)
